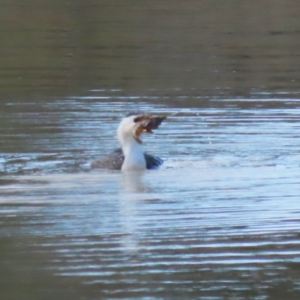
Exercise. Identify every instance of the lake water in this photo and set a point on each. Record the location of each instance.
(219, 220)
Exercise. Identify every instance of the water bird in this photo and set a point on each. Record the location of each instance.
(131, 157)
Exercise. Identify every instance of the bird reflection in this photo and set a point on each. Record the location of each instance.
(132, 182)
(132, 192)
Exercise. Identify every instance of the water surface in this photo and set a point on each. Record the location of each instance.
(219, 220)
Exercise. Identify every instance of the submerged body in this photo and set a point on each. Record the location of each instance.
(131, 157)
(114, 161)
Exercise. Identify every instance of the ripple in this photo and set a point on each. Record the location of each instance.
(222, 213)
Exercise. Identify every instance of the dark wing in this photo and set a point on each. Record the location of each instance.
(114, 161)
(152, 162)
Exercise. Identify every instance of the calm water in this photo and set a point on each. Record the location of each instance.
(219, 220)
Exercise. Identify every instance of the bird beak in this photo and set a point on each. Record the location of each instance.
(145, 124)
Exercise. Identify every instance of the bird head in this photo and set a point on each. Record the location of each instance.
(134, 125)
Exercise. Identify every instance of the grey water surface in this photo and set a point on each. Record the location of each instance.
(219, 220)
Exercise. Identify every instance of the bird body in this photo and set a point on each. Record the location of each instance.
(134, 158)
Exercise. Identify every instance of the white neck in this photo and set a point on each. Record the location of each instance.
(134, 156)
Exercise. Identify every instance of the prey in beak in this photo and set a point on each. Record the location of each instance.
(145, 124)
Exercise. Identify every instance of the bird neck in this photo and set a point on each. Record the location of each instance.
(134, 156)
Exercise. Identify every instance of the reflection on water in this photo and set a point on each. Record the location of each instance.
(218, 219)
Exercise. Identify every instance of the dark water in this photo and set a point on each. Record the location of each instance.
(220, 219)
